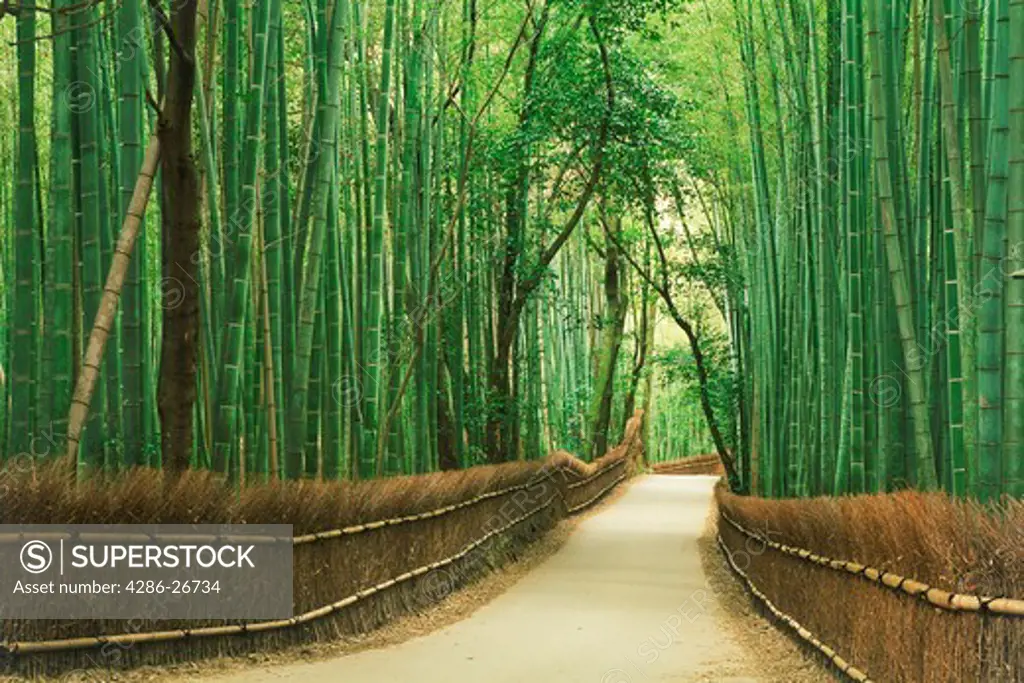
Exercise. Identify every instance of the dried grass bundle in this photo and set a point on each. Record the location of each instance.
(700, 464)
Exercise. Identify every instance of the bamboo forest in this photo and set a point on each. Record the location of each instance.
(429, 279)
(354, 239)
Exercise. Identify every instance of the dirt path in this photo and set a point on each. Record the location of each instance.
(626, 600)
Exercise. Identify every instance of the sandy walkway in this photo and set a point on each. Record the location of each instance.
(625, 601)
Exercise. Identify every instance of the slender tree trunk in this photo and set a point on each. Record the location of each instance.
(615, 317)
(181, 227)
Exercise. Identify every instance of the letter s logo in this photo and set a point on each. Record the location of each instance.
(36, 557)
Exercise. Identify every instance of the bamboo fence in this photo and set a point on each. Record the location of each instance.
(943, 599)
(561, 493)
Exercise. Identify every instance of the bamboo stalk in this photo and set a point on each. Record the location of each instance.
(107, 309)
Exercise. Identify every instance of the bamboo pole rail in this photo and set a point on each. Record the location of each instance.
(943, 599)
(595, 475)
(598, 496)
(438, 512)
(839, 662)
(686, 464)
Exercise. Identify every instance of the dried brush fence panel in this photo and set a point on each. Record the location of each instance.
(700, 464)
(907, 587)
(364, 552)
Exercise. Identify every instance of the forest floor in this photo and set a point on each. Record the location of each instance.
(638, 593)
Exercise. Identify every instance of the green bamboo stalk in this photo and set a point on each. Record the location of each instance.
(314, 455)
(973, 11)
(240, 232)
(109, 211)
(403, 227)
(961, 252)
(295, 460)
(61, 306)
(333, 318)
(129, 75)
(232, 91)
(24, 309)
(91, 225)
(925, 474)
(373, 372)
(426, 387)
(1013, 404)
(991, 326)
(275, 225)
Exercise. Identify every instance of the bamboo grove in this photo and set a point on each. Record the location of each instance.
(395, 236)
(380, 237)
(874, 175)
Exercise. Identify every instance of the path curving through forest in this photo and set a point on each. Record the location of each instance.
(626, 600)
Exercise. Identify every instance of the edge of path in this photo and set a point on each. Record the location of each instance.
(774, 656)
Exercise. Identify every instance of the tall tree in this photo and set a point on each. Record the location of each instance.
(616, 306)
(180, 242)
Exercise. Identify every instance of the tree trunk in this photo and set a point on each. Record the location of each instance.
(500, 439)
(615, 318)
(644, 348)
(502, 442)
(648, 383)
(177, 391)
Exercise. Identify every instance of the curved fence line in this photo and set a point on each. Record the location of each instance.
(591, 477)
(259, 626)
(685, 465)
(953, 602)
(688, 460)
(45, 646)
(438, 512)
(591, 501)
(844, 666)
(447, 509)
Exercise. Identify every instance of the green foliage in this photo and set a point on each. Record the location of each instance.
(354, 185)
(677, 377)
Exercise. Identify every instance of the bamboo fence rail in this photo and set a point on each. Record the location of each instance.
(439, 512)
(947, 600)
(703, 464)
(839, 662)
(590, 501)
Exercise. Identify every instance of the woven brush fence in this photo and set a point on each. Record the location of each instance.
(905, 587)
(700, 464)
(364, 552)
